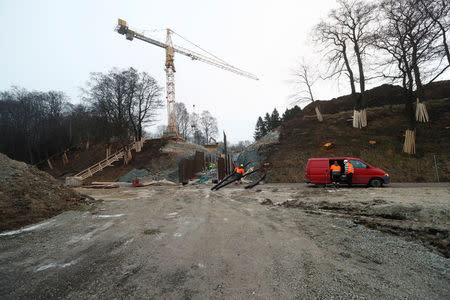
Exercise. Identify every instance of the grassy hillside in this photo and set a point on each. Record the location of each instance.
(303, 137)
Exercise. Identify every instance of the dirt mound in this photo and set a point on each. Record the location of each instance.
(28, 195)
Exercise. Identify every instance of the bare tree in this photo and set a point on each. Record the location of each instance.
(411, 37)
(349, 26)
(108, 93)
(304, 79)
(355, 18)
(144, 102)
(241, 145)
(37, 125)
(208, 125)
(183, 121)
(393, 39)
(331, 36)
(126, 99)
(439, 12)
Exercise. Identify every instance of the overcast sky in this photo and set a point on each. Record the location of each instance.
(54, 45)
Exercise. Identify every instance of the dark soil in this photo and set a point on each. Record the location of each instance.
(28, 195)
(150, 158)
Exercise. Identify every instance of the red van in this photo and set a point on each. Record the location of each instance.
(318, 171)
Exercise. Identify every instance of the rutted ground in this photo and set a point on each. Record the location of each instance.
(189, 242)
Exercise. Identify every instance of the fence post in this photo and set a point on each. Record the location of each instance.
(436, 168)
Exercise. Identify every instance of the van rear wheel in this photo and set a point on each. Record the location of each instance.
(376, 182)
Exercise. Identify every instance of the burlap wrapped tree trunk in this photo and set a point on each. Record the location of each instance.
(359, 118)
(318, 114)
(410, 141)
(421, 112)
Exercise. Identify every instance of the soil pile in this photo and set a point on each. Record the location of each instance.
(28, 195)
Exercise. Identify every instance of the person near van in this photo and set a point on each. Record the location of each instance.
(349, 171)
(239, 173)
(335, 173)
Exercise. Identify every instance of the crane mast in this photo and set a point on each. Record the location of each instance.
(172, 128)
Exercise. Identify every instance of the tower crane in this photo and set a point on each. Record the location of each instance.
(171, 49)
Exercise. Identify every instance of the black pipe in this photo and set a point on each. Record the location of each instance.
(229, 182)
(222, 181)
(256, 182)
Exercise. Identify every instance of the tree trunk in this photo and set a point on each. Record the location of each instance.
(362, 115)
(410, 141)
(318, 114)
(409, 145)
(444, 40)
(349, 70)
(421, 109)
(356, 99)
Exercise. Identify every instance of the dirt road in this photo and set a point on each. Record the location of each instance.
(189, 242)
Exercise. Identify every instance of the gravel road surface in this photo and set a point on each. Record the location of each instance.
(191, 243)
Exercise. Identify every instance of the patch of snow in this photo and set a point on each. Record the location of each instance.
(89, 235)
(177, 234)
(171, 215)
(25, 229)
(56, 265)
(110, 216)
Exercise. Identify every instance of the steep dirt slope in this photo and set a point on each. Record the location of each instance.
(150, 158)
(28, 195)
(302, 138)
(79, 159)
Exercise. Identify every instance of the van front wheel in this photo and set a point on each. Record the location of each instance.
(376, 182)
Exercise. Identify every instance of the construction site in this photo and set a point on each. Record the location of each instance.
(115, 211)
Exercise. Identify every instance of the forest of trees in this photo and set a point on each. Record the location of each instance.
(117, 105)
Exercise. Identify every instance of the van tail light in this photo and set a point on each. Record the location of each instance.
(386, 174)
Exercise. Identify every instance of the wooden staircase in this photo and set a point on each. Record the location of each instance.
(78, 178)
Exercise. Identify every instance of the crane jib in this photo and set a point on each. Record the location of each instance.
(122, 28)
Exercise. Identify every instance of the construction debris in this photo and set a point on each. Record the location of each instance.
(328, 146)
